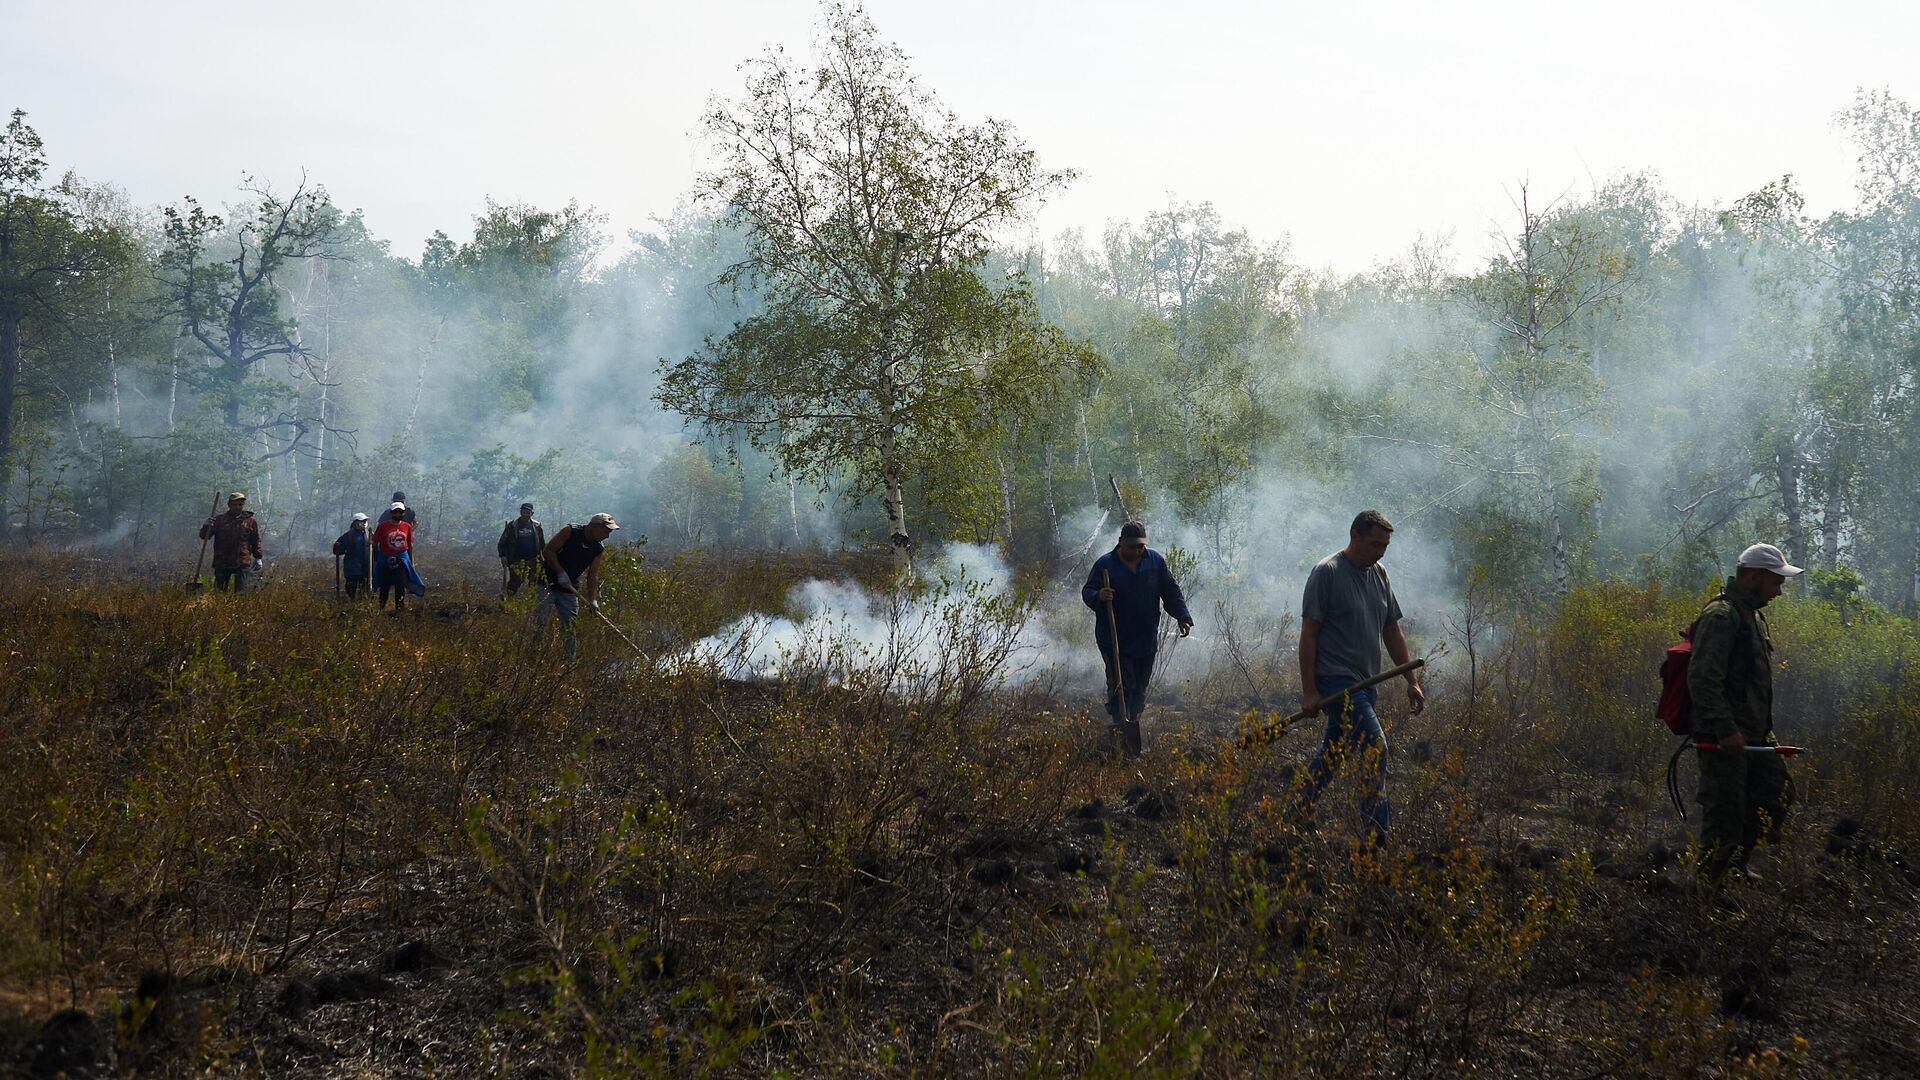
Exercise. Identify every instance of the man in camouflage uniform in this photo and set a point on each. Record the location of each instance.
(1744, 796)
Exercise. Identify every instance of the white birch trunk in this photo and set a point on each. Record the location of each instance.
(113, 358)
(793, 509)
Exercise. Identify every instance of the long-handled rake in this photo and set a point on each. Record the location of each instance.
(196, 584)
(644, 655)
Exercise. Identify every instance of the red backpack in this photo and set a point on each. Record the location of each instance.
(1676, 701)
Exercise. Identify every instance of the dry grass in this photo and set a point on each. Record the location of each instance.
(266, 835)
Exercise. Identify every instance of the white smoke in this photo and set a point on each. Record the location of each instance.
(966, 621)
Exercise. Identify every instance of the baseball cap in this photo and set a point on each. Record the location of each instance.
(1767, 557)
(397, 506)
(603, 519)
(526, 506)
(359, 517)
(238, 496)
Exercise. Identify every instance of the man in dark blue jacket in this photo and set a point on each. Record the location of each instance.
(354, 562)
(1128, 586)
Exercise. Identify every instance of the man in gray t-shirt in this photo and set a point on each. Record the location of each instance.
(1348, 612)
(1350, 608)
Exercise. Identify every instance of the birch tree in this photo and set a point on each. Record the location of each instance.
(881, 355)
(51, 250)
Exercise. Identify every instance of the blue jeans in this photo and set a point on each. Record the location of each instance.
(567, 606)
(1353, 731)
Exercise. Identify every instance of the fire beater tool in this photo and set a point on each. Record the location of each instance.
(196, 584)
(1269, 732)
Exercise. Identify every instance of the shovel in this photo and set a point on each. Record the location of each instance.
(196, 584)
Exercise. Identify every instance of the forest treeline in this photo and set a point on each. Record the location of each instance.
(1624, 385)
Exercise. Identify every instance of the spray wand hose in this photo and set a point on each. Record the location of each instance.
(1673, 764)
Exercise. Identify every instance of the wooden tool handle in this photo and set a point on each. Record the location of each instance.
(1270, 732)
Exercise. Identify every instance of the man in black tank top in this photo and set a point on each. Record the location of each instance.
(572, 562)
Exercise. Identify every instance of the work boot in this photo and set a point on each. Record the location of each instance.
(1124, 736)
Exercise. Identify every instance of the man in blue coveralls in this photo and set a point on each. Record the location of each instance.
(1133, 582)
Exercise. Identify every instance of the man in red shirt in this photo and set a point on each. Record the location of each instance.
(393, 569)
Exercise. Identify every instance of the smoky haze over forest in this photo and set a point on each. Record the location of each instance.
(1629, 386)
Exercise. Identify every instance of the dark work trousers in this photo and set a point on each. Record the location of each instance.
(356, 586)
(235, 579)
(519, 572)
(1135, 670)
(1744, 799)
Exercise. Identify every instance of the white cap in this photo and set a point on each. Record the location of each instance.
(397, 506)
(604, 519)
(1767, 557)
(359, 517)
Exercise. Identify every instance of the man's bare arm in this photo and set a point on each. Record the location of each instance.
(1396, 642)
(551, 553)
(1309, 659)
(592, 577)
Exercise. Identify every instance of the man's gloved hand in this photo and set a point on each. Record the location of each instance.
(593, 605)
(259, 566)
(562, 583)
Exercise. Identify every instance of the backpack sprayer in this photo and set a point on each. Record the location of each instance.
(1676, 701)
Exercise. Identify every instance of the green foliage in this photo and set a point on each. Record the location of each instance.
(223, 282)
(1839, 587)
(59, 254)
(697, 497)
(881, 355)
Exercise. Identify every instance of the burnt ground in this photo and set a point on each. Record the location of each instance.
(1812, 967)
(1028, 905)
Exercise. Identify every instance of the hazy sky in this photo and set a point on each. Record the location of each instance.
(1349, 127)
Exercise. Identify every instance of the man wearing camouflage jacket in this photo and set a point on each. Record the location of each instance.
(1744, 796)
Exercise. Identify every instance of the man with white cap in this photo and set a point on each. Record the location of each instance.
(393, 570)
(356, 562)
(572, 559)
(1744, 796)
